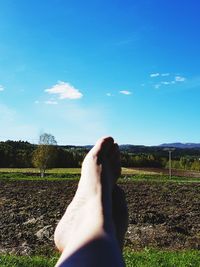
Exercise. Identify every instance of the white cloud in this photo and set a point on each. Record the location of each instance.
(157, 86)
(51, 102)
(65, 91)
(152, 75)
(160, 82)
(124, 92)
(109, 94)
(166, 83)
(1, 88)
(180, 79)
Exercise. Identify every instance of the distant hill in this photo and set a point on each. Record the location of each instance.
(181, 145)
(181, 148)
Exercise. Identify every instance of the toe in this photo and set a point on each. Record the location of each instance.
(98, 154)
(104, 144)
(102, 148)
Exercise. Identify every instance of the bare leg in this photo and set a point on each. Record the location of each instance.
(86, 235)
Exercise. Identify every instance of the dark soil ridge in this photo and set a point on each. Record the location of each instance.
(161, 215)
(175, 172)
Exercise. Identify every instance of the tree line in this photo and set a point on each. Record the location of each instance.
(20, 154)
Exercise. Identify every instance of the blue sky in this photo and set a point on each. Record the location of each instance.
(85, 69)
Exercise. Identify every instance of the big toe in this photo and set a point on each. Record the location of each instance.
(102, 148)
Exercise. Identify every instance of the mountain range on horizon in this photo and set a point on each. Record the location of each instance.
(177, 145)
(170, 145)
(181, 145)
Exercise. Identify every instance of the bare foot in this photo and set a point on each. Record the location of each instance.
(89, 215)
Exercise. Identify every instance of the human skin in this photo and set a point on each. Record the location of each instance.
(91, 232)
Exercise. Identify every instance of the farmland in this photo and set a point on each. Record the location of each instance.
(163, 213)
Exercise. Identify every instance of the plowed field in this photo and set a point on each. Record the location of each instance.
(161, 215)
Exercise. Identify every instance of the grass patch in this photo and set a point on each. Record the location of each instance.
(137, 171)
(36, 177)
(128, 175)
(153, 258)
(69, 170)
(26, 261)
(157, 178)
(68, 175)
(36, 171)
(146, 258)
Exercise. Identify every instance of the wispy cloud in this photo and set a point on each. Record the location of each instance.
(169, 81)
(165, 74)
(152, 75)
(157, 86)
(109, 94)
(51, 102)
(65, 91)
(128, 40)
(1, 88)
(157, 74)
(166, 83)
(125, 92)
(47, 102)
(180, 79)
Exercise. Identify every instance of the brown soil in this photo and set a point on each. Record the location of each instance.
(175, 172)
(161, 215)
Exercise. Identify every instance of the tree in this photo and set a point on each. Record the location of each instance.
(45, 154)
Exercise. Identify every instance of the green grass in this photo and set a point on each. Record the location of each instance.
(26, 261)
(137, 171)
(153, 258)
(146, 258)
(49, 177)
(128, 174)
(68, 170)
(17, 176)
(158, 178)
(34, 170)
